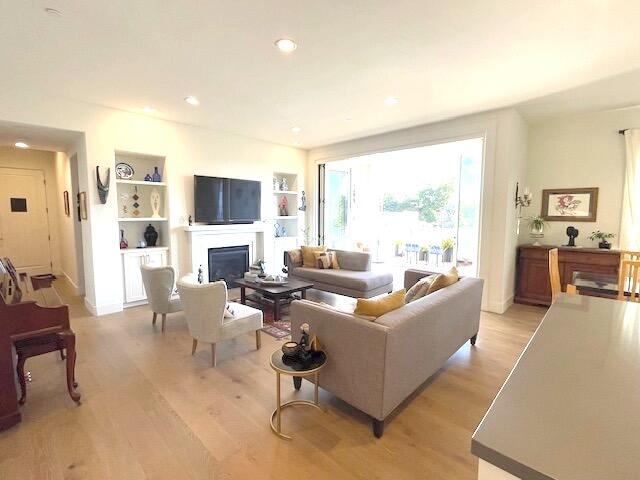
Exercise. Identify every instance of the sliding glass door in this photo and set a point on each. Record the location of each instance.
(417, 207)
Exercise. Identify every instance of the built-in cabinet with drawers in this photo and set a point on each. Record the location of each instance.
(532, 282)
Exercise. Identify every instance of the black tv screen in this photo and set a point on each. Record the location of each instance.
(244, 200)
(226, 200)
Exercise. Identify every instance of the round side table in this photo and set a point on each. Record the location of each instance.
(294, 370)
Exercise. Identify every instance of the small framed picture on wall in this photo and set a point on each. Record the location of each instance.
(570, 204)
(65, 198)
(82, 205)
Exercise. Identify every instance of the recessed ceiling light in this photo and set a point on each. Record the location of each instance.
(191, 100)
(21, 144)
(149, 109)
(53, 11)
(390, 101)
(286, 45)
(296, 130)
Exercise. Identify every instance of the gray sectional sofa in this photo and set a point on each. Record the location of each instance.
(375, 366)
(353, 279)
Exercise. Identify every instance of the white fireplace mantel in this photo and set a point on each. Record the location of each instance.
(204, 237)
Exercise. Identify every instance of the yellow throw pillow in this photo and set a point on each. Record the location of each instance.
(379, 306)
(444, 280)
(308, 258)
(420, 288)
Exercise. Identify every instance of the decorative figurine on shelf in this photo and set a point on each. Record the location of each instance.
(123, 241)
(147, 178)
(155, 203)
(284, 185)
(151, 236)
(572, 234)
(142, 243)
(303, 202)
(280, 231)
(282, 207)
(156, 177)
(190, 220)
(200, 276)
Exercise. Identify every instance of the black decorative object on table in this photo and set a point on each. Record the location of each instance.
(151, 236)
(190, 220)
(572, 233)
(303, 355)
(200, 276)
(103, 187)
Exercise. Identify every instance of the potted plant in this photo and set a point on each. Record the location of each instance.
(537, 224)
(424, 253)
(447, 249)
(602, 237)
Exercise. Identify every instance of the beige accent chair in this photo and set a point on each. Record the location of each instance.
(204, 308)
(158, 283)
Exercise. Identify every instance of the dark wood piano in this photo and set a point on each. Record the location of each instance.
(28, 329)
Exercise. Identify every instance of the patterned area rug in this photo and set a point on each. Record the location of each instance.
(277, 330)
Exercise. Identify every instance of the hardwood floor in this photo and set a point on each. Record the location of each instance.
(150, 410)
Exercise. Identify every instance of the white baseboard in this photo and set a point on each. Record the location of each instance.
(498, 307)
(77, 290)
(97, 311)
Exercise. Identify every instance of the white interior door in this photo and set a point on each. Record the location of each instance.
(24, 224)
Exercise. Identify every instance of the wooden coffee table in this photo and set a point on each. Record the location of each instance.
(274, 296)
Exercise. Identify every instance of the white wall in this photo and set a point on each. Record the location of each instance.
(505, 135)
(188, 151)
(69, 264)
(580, 151)
(40, 160)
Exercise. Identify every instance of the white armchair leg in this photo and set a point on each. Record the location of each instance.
(164, 319)
(155, 316)
(258, 340)
(194, 346)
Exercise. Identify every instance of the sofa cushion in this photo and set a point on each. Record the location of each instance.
(377, 307)
(355, 280)
(420, 288)
(295, 257)
(308, 257)
(444, 280)
(324, 260)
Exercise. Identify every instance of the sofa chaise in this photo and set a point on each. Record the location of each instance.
(354, 278)
(375, 366)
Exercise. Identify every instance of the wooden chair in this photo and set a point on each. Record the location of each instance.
(554, 277)
(629, 280)
(626, 255)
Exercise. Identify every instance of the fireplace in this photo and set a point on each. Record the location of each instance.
(228, 263)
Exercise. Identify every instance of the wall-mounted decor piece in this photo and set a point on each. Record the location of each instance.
(65, 199)
(135, 205)
(103, 187)
(82, 205)
(124, 171)
(570, 204)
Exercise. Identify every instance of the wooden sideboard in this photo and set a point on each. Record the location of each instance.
(532, 270)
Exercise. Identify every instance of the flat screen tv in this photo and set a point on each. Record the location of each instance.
(226, 200)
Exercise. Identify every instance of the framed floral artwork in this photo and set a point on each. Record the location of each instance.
(570, 204)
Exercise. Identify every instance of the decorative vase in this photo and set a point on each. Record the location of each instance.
(147, 178)
(604, 244)
(123, 242)
(155, 203)
(142, 243)
(536, 234)
(151, 236)
(156, 175)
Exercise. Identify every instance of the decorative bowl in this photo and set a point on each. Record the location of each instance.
(290, 349)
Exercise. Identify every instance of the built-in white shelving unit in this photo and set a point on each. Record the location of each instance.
(293, 221)
(133, 221)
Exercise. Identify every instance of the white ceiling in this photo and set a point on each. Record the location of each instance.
(39, 138)
(441, 59)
